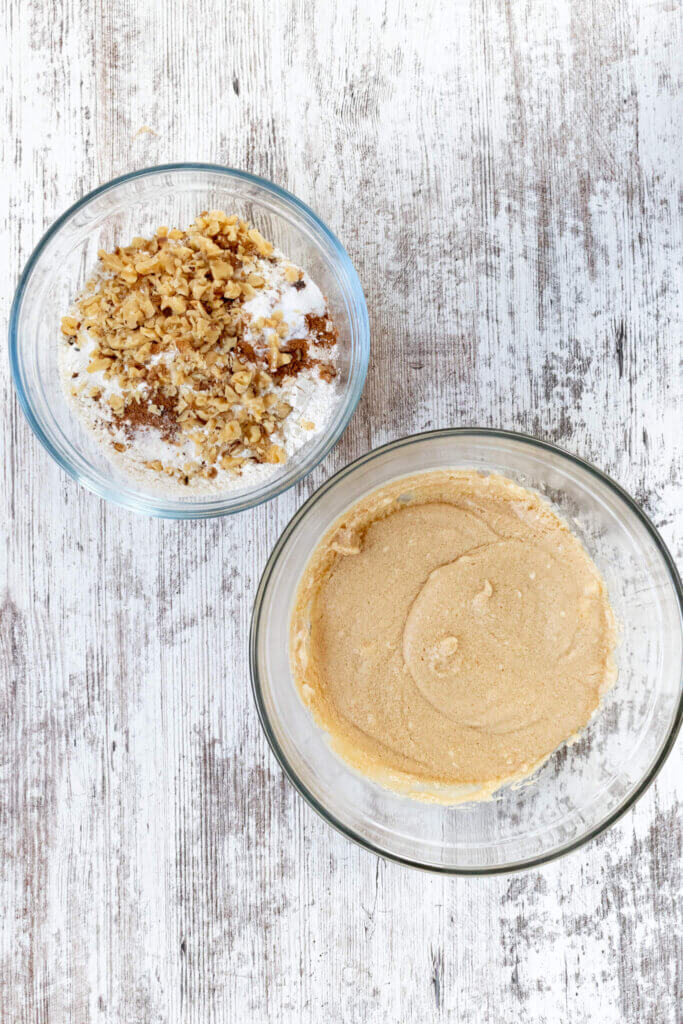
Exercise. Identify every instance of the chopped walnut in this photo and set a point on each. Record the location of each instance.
(167, 319)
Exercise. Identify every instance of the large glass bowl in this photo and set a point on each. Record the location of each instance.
(584, 787)
(137, 204)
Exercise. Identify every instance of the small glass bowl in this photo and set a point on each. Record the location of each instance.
(137, 204)
(585, 786)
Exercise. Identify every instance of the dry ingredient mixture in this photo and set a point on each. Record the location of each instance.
(449, 633)
(202, 359)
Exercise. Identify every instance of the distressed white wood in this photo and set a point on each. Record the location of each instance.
(506, 178)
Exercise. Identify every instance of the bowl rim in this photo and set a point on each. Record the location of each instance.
(148, 506)
(323, 812)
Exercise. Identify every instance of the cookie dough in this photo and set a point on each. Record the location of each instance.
(449, 633)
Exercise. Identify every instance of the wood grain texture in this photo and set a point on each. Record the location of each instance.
(506, 177)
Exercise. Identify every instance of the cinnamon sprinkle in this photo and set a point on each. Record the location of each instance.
(138, 414)
(322, 329)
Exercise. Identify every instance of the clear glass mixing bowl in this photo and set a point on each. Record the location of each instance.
(135, 205)
(584, 787)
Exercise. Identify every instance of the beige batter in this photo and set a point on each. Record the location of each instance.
(449, 633)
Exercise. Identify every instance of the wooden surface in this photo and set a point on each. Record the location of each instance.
(506, 178)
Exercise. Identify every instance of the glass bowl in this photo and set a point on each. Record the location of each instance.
(584, 787)
(135, 205)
